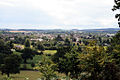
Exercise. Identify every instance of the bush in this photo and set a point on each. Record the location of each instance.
(32, 64)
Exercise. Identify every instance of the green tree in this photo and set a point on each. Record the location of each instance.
(4, 49)
(67, 61)
(111, 71)
(58, 38)
(69, 65)
(60, 53)
(79, 49)
(10, 44)
(27, 43)
(40, 46)
(47, 68)
(93, 62)
(11, 64)
(114, 48)
(67, 42)
(27, 54)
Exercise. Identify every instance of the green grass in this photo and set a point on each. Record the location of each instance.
(49, 52)
(23, 46)
(26, 66)
(35, 59)
(19, 45)
(31, 75)
(17, 53)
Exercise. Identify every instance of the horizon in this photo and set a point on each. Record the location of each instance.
(55, 29)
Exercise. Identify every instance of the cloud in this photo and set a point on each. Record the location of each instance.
(70, 13)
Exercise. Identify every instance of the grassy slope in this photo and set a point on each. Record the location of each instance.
(32, 75)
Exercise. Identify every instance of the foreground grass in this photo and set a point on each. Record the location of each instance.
(24, 75)
(29, 75)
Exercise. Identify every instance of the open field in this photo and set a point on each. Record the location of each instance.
(35, 59)
(49, 52)
(31, 75)
(28, 75)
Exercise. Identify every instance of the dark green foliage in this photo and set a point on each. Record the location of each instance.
(10, 44)
(19, 40)
(100, 39)
(111, 71)
(69, 65)
(79, 49)
(33, 44)
(116, 39)
(80, 41)
(67, 62)
(32, 64)
(60, 53)
(73, 44)
(85, 42)
(11, 64)
(40, 46)
(67, 42)
(36, 52)
(47, 68)
(92, 63)
(59, 38)
(2, 56)
(114, 48)
(27, 54)
(27, 43)
(4, 49)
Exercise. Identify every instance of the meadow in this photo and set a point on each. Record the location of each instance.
(24, 75)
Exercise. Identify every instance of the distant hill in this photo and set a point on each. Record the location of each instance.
(108, 30)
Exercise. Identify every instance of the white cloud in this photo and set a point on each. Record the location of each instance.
(70, 12)
(4, 4)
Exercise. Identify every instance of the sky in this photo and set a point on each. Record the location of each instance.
(57, 14)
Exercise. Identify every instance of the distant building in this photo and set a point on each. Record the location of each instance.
(36, 39)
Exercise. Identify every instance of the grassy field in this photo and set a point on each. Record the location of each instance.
(28, 75)
(18, 53)
(31, 75)
(35, 59)
(49, 52)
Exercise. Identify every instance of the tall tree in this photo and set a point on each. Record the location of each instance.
(11, 64)
(93, 62)
(114, 48)
(40, 46)
(47, 68)
(4, 49)
(27, 54)
(27, 43)
(66, 60)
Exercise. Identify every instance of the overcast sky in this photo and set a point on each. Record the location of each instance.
(57, 14)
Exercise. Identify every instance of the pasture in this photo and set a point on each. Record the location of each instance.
(24, 75)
